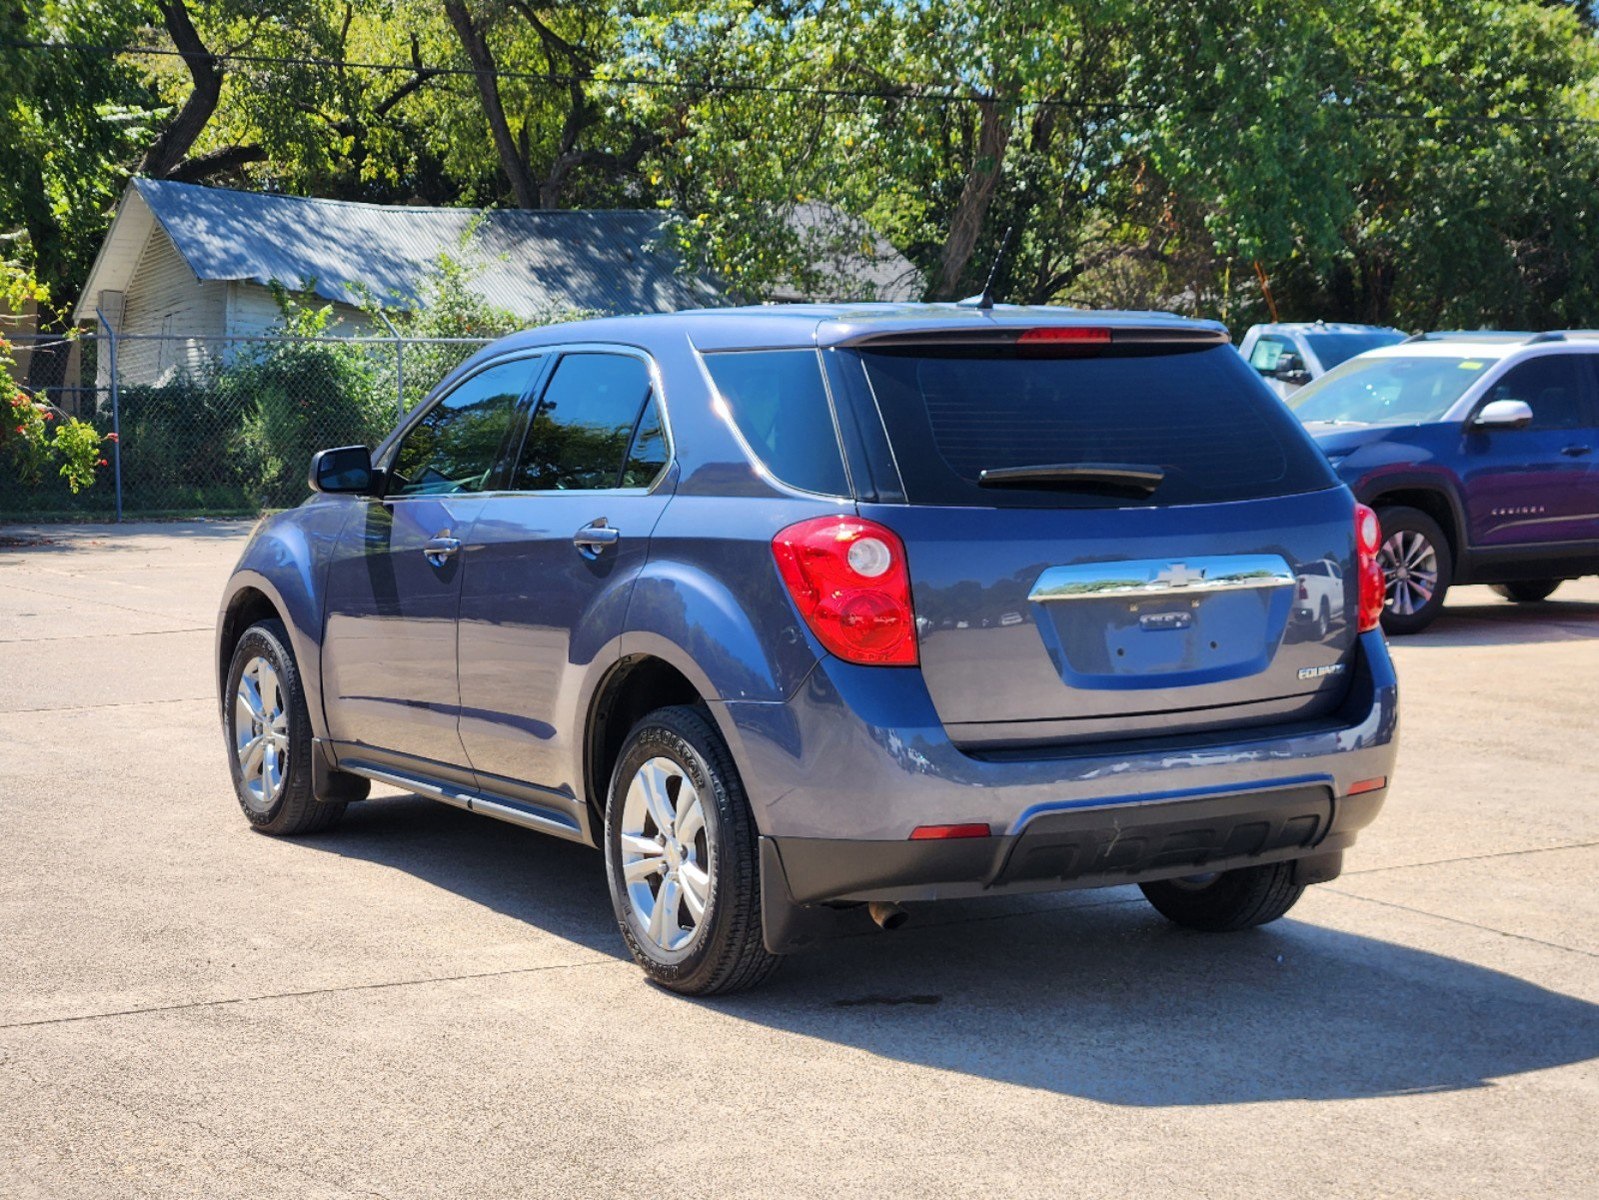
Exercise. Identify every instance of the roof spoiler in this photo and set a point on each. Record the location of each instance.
(1009, 336)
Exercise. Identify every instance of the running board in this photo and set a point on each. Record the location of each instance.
(515, 812)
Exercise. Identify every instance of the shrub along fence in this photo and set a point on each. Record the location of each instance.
(227, 426)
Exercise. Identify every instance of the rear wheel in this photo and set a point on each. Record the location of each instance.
(1417, 569)
(1528, 591)
(1224, 901)
(269, 736)
(682, 859)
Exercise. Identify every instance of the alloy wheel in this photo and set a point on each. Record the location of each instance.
(1410, 571)
(666, 855)
(261, 733)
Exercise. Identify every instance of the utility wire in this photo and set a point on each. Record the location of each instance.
(943, 94)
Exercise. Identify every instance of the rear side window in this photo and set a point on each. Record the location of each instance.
(582, 431)
(777, 401)
(1202, 416)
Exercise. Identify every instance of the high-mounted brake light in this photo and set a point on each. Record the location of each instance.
(1078, 335)
(1373, 587)
(850, 582)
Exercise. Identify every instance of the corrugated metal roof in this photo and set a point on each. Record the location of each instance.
(531, 262)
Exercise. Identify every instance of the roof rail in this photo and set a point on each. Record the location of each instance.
(1472, 335)
(1548, 335)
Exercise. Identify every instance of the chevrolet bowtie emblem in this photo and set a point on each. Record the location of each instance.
(1179, 576)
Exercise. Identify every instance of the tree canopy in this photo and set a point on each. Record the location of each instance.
(1421, 162)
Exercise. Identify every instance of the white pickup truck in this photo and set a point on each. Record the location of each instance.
(1290, 354)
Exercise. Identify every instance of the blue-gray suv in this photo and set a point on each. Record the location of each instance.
(803, 613)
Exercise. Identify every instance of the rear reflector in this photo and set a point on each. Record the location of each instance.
(1064, 335)
(924, 833)
(1368, 785)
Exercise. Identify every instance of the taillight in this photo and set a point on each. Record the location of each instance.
(1373, 588)
(850, 583)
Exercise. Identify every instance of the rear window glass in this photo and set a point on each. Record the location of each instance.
(777, 400)
(1201, 416)
(1334, 348)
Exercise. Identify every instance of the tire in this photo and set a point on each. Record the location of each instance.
(1528, 591)
(1229, 901)
(274, 791)
(674, 763)
(1323, 621)
(1415, 557)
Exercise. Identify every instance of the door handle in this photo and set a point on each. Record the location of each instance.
(1576, 451)
(595, 536)
(440, 548)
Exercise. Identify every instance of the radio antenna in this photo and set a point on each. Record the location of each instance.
(986, 300)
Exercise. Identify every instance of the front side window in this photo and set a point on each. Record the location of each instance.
(1267, 352)
(1392, 390)
(1550, 385)
(582, 433)
(456, 443)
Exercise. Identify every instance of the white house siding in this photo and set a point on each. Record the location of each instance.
(185, 317)
(252, 311)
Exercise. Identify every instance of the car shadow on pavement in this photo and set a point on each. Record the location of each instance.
(1088, 993)
(1503, 624)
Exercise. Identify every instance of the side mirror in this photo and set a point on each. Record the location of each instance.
(1503, 414)
(345, 469)
(1291, 369)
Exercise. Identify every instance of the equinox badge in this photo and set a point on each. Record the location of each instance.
(1318, 672)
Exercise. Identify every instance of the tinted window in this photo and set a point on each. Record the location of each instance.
(1390, 390)
(1334, 348)
(647, 456)
(1202, 416)
(1552, 385)
(580, 432)
(777, 400)
(1266, 353)
(455, 445)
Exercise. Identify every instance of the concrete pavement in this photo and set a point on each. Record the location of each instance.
(427, 1003)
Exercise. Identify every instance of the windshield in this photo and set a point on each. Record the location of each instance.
(1387, 391)
(1334, 348)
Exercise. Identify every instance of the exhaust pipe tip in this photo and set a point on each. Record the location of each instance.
(887, 914)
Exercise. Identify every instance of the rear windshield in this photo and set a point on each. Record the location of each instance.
(1201, 416)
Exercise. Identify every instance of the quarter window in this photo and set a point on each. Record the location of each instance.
(582, 435)
(454, 446)
(778, 401)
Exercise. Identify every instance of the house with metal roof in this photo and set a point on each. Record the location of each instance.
(187, 270)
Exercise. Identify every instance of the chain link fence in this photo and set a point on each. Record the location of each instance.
(214, 426)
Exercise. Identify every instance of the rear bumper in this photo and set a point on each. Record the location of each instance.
(1087, 847)
(840, 774)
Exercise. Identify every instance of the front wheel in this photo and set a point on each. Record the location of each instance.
(1225, 901)
(1528, 591)
(1417, 569)
(269, 736)
(682, 860)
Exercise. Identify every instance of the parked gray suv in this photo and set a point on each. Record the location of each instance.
(802, 614)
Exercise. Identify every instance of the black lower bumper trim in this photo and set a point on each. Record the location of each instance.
(1080, 848)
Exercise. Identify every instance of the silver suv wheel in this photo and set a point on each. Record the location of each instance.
(260, 734)
(667, 855)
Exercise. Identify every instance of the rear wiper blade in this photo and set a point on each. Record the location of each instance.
(1087, 477)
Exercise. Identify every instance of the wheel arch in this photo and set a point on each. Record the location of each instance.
(635, 685)
(1428, 497)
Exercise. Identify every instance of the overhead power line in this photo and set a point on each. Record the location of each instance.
(910, 91)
